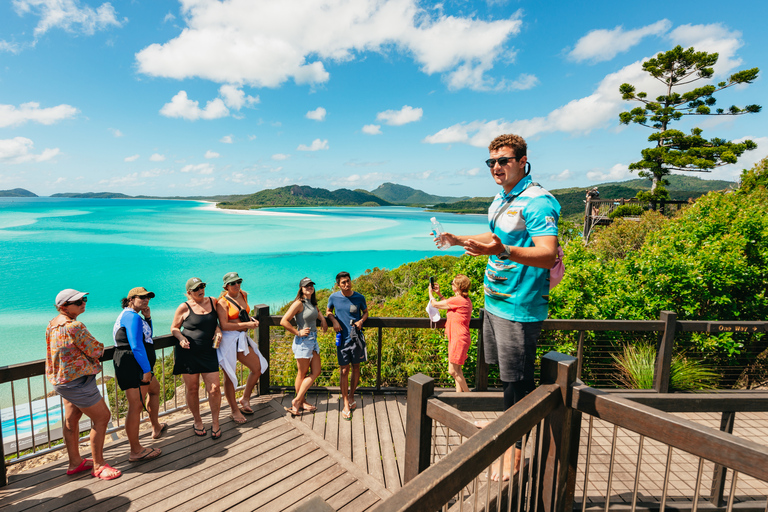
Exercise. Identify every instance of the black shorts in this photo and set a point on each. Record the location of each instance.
(127, 370)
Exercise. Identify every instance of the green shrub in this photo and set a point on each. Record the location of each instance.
(626, 210)
(636, 365)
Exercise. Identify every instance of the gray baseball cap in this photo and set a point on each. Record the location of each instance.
(68, 295)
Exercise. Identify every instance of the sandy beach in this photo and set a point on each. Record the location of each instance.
(211, 206)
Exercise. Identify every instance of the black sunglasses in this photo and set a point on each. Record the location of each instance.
(78, 302)
(198, 288)
(143, 297)
(239, 281)
(504, 160)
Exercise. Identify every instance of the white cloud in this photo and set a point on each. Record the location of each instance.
(12, 116)
(358, 180)
(601, 45)
(318, 114)
(235, 98)
(280, 156)
(169, 17)
(156, 157)
(205, 168)
(115, 132)
(5, 46)
(131, 158)
(619, 172)
(211, 154)
(405, 115)
(129, 180)
(227, 139)
(263, 44)
(69, 15)
(316, 145)
(469, 172)
(372, 129)
(182, 106)
(18, 151)
(199, 183)
(252, 137)
(601, 108)
(563, 176)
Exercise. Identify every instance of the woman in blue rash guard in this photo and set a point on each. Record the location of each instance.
(134, 358)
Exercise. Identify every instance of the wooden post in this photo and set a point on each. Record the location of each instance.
(262, 315)
(378, 362)
(481, 369)
(587, 219)
(664, 352)
(718, 478)
(560, 442)
(418, 426)
(580, 353)
(3, 475)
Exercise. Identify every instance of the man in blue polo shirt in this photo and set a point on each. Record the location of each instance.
(522, 245)
(347, 308)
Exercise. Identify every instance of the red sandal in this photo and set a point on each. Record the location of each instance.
(112, 473)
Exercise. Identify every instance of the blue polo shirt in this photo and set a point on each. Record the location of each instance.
(347, 309)
(513, 291)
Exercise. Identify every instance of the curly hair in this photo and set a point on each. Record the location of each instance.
(510, 140)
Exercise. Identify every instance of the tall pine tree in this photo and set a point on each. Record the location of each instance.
(675, 150)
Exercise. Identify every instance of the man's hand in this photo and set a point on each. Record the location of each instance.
(476, 248)
(359, 324)
(446, 238)
(336, 326)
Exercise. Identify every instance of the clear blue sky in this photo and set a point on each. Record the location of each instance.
(208, 97)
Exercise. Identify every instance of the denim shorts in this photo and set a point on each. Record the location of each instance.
(303, 346)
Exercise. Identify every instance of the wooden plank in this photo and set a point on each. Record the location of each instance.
(398, 435)
(332, 421)
(308, 418)
(362, 502)
(299, 491)
(346, 495)
(367, 480)
(286, 490)
(330, 488)
(318, 426)
(174, 447)
(261, 477)
(198, 478)
(372, 448)
(391, 473)
(345, 434)
(358, 435)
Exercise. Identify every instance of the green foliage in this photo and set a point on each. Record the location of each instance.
(295, 195)
(635, 370)
(625, 236)
(756, 177)
(400, 194)
(675, 150)
(626, 210)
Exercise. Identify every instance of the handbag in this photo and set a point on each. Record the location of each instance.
(242, 315)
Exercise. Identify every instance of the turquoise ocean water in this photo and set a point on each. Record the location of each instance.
(108, 246)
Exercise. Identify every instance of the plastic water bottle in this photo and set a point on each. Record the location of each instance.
(338, 339)
(437, 230)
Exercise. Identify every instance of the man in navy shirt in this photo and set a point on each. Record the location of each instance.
(347, 308)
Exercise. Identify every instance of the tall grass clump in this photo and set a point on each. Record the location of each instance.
(635, 368)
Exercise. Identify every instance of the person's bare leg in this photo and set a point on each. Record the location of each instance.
(229, 393)
(354, 381)
(458, 377)
(71, 433)
(153, 404)
(192, 394)
(303, 366)
(344, 385)
(99, 415)
(254, 365)
(214, 396)
(132, 419)
(314, 373)
(507, 465)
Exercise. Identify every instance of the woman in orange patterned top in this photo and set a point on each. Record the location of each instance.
(71, 365)
(456, 326)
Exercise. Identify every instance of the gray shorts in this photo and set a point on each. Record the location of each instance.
(81, 392)
(512, 346)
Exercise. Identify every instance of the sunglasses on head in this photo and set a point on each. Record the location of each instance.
(504, 160)
(198, 288)
(78, 302)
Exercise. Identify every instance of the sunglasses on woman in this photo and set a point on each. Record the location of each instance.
(200, 287)
(78, 302)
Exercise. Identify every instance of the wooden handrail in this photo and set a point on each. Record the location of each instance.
(721, 448)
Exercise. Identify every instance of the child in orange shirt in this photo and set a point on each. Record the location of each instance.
(456, 326)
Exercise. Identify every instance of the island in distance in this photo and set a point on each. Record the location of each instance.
(391, 194)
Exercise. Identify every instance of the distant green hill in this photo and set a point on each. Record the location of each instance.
(400, 194)
(17, 192)
(92, 195)
(681, 188)
(295, 195)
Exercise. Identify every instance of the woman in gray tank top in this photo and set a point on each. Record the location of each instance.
(306, 349)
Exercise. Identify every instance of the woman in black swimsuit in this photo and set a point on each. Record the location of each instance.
(195, 353)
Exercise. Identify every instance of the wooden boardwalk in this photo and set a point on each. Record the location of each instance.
(274, 462)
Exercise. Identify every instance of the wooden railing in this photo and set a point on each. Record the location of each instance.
(597, 211)
(559, 404)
